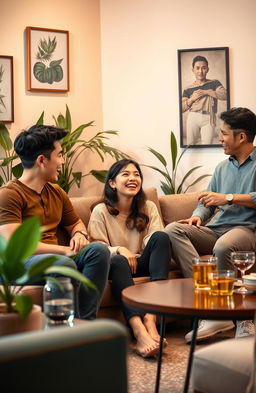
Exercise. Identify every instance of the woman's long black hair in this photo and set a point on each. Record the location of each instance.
(137, 218)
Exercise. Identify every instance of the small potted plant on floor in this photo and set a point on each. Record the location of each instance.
(17, 312)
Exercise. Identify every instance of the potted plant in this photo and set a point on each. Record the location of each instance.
(73, 145)
(13, 276)
(169, 186)
(7, 169)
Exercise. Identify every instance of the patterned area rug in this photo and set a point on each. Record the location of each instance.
(142, 372)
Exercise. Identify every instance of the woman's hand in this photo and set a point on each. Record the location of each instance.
(131, 257)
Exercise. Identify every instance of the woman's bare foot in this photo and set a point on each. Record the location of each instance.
(150, 324)
(145, 346)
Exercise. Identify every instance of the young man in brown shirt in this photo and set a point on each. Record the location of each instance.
(36, 194)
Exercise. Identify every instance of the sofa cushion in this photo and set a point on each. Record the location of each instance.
(224, 367)
(177, 206)
(151, 194)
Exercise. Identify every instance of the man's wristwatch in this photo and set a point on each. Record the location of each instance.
(229, 198)
(82, 233)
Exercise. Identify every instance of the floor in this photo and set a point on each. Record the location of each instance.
(142, 372)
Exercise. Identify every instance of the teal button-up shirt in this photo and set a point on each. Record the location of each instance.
(232, 178)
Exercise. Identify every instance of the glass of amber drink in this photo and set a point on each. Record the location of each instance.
(222, 282)
(201, 269)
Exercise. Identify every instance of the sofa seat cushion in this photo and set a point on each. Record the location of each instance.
(224, 367)
(177, 206)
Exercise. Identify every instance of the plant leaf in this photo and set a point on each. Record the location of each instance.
(173, 146)
(3, 243)
(77, 176)
(99, 175)
(68, 271)
(197, 181)
(5, 140)
(188, 174)
(21, 245)
(17, 170)
(158, 156)
(61, 121)
(40, 121)
(68, 120)
(24, 305)
(166, 189)
(37, 269)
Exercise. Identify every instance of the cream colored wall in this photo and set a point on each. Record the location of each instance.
(139, 41)
(81, 19)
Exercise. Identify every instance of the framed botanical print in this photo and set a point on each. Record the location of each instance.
(6, 89)
(47, 59)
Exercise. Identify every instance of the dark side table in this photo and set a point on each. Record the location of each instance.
(178, 298)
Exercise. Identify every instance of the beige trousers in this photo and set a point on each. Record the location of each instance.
(188, 241)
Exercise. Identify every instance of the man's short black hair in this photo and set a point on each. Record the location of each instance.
(199, 58)
(38, 139)
(241, 119)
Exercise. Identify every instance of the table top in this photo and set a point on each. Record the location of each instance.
(178, 297)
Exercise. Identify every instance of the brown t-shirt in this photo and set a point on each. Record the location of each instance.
(52, 206)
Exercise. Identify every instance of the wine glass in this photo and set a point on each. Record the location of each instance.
(242, 260)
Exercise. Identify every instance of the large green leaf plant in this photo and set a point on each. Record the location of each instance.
(7, 167)
(13, 275)
(74, 146)
(169, 185)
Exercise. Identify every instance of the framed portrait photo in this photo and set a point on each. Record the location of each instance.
(203, 94)
(47, 59)
(6, 89)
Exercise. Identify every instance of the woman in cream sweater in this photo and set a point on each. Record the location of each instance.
(132, 228)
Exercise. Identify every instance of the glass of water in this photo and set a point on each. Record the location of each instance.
(59, 301)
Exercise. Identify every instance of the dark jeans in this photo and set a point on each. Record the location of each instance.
(153, 262)
(93, 262)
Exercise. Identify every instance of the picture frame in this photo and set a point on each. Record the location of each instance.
(47, 65)
(6, 89)
(203, 94)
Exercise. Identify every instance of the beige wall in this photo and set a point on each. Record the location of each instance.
(81, 19)
(139, 40)
(124, 53)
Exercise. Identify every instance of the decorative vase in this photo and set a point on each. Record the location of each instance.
(12, 323)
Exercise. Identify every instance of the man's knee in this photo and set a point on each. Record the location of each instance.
(172, 228)
(98, 251)
(221, 247)
(222, 250)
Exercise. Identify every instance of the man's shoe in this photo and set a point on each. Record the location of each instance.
(244, 328)
(207, 329)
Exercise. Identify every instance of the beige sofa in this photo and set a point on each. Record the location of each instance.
(171, 208)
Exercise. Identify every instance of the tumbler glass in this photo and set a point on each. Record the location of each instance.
(59, 301)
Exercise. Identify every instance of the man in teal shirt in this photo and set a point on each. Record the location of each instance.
(232, 191)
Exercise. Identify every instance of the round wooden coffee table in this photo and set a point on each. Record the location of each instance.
(178, 297)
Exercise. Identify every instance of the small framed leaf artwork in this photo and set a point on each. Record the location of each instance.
(47, 59)
(6, 89)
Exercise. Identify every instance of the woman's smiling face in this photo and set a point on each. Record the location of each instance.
(127, 182)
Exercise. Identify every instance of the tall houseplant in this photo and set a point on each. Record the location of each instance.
(7, 169)
(169, 186)
(73, 146)
(13, 275)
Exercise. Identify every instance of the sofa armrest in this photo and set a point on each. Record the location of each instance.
(83, 358)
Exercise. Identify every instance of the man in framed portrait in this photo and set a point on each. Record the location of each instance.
(200, 99)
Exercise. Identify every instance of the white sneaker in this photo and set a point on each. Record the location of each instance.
(244, 328)
(207, 329)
